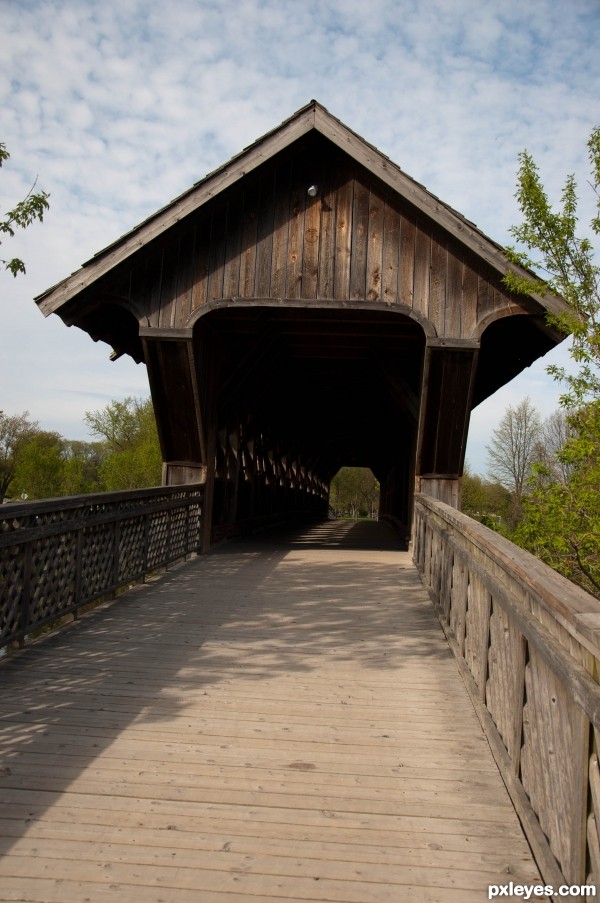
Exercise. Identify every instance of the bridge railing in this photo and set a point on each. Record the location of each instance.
(527, 642)
(58, 555)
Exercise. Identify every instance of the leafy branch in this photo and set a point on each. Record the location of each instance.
(568, 263)
(31, 208)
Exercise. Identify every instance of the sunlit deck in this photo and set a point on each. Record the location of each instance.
(279, 721)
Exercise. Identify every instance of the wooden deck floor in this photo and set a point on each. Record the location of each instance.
(272, 722)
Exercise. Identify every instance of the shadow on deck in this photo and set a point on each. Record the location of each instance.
(279, 720)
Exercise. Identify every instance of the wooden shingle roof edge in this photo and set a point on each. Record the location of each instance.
(312, 116)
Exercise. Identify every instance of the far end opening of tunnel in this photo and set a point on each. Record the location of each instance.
(354, 494)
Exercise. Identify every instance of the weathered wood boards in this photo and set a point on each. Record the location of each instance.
(266, 239)
(310, 123)
(311, 219)
(528, 640)
(261, 724)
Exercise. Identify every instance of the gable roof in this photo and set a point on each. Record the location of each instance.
(311, 117)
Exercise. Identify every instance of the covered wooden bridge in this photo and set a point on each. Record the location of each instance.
(285, 718)
(309, 306)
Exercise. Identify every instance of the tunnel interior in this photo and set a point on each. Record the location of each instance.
(301, 392)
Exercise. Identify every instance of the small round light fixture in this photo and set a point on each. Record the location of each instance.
(312, 191)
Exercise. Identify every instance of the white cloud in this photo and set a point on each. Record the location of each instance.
(120, 106)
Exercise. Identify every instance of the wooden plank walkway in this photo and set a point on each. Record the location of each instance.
(272, 722)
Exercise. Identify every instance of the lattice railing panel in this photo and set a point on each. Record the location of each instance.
(179, 521)
(53, 569)
(194, 525)
(132, 548)
(158, 537)
(97, 560)
(58, 554)
(12, 579)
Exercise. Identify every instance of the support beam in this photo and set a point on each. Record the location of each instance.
(173, 384)
(446, 394)
(206, 349)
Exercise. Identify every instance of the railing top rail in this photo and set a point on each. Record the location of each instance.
(40, 506)
(575, 609)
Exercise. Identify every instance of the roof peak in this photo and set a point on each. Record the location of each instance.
(311, 117)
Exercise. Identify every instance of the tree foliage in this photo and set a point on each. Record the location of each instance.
(487, 501)
(562, 513)
(128, 431)
(47, 465)
(354, 491)
(36, 464)
(39, 466)
(569, 263)
(15, 431)
(23, 214)
(512, 451)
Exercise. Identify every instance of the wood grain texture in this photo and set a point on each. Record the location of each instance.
(343, 231)
(505, 684)
(541, 697)
(269, 722)
(311, 123)
(390, 285)
(375, 247)
(477, 631)
(265, 238)
(554, 750)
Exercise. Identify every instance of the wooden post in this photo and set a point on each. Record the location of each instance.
(206, 352)
(169, 356)
(447, 389)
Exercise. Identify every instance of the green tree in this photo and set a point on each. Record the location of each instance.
(569, 264)
(354, 491)
(81, 471)
(15, 431)
(562, 516)
(23, 214)
(486, 501)
(512, 451)
(128, 431)
(45, 465)
(561, 512)
(39, 466)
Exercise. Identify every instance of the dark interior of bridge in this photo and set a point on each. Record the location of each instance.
(321, 388)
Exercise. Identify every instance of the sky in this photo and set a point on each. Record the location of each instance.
(118, 106)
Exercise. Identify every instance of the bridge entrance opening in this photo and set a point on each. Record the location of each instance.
(299, 392)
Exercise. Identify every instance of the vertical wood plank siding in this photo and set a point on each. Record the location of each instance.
(406, 290)
(355, 241)
(186, 274)
(264, 238)
(343, 202)
(327, 236)
(390, 264)
(375, 247)
(169, 282)
(526, 642)
(436, 302)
